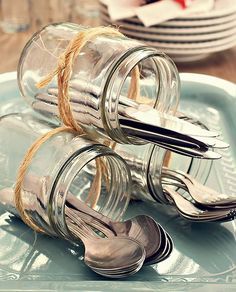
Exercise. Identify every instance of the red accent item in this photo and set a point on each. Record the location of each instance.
(184, 3)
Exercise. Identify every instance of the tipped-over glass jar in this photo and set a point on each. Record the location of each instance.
(102, 77)
(62, 170)
(147, 162)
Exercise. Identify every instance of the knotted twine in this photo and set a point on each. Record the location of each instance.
(63, 73)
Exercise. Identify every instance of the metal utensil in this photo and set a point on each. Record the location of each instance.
(164, 250)
(200, 193)
(190, 211)
(142, 228)
(170, 143)
(187, 151)
(137, 120)
(115, 257)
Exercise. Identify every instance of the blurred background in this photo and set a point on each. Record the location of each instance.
(21, 18)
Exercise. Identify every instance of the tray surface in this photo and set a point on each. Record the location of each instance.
(204, 256)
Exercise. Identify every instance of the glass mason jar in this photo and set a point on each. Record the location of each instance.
(103, 69)
(63, 169)
(146, 164)
(101, 78)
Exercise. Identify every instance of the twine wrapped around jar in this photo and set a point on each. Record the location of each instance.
(63, 72)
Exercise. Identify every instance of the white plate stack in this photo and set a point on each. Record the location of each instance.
(185, 39)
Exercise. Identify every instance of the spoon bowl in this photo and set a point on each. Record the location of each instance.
(117, 256)
(144, 229)
(191, 211)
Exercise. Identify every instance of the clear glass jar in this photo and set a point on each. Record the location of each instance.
(101, 77)
(63, 167)
(146, 163)
(106, 64)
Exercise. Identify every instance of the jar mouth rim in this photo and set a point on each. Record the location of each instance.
(198, 168)
(155, 164)
(65, 177)
(108, 103)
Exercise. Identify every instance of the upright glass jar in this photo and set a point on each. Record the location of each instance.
(101, 78)
(58, 172)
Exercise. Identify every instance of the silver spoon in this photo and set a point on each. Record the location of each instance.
(142, 228)
(128, 108)
(164, 250)
(124, 254)
(166, 126)
(200, 193)
(163, 245)
(164, 140)
(118, 256)
(190, 211)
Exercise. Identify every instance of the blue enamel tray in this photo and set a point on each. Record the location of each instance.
(204, 257)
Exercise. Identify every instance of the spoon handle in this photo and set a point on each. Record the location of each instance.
(84, 208)
(166, 126)
(96, 224)
(78, 227)
(183, 205)
(188, 209)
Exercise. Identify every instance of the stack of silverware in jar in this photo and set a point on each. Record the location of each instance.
(125, 97)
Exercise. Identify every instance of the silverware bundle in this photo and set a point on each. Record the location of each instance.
(178, 134)
(138, 120)
(112, 249)
(197, 202)
(191, 199)
(181, 135)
